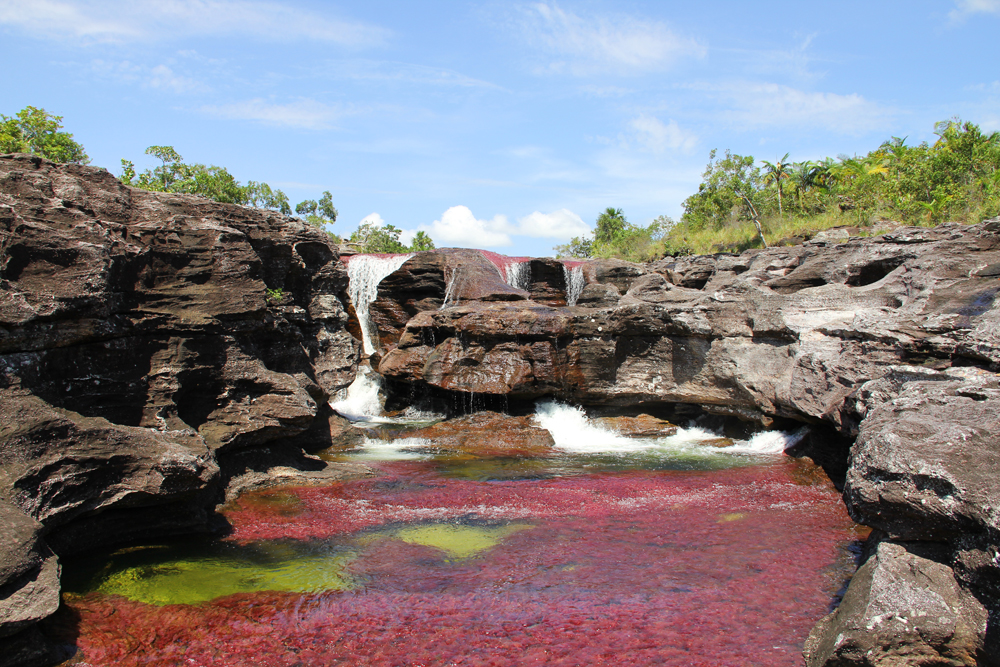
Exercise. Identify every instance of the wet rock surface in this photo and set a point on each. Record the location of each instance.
(158, 349)
(144, 337)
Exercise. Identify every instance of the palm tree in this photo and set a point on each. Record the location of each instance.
(803, 176)
(775, 173)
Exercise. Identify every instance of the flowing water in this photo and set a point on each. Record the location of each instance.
(600, 550)
(365, 272)
(575, 282)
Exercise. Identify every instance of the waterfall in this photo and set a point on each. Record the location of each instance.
(518, 275)
(365, 272)
(450, 298)
(574, 283)
(362, 400)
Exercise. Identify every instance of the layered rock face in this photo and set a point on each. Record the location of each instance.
(150, 345)
(158, 350)
(894, 341)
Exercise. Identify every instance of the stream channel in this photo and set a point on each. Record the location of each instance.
(600, 550)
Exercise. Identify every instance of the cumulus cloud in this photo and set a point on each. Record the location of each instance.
(652, 134)
(561, 224)
(459, 227)
(134, 20)
(589, 44)
(303, 113)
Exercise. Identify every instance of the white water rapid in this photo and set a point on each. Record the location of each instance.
(362, 401)
(365, 272)
(574, 283)
(574, 432)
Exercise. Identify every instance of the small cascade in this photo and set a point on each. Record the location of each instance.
(365, 272)
(518, 275)
(451, 280)
(515, 271)
(770, 442)
(363, 400)
(574, 282)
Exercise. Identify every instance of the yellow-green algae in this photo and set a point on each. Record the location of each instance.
(160, 579)
(458, 541)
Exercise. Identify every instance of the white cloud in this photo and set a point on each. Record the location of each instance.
(652, 134)
(619, 44)
(561, 224)
(303, 113)
(459, 227)
(754, 105)
(134, 20)
(965, 7)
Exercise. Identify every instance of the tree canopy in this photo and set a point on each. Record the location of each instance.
(33, 130)
(175, 175)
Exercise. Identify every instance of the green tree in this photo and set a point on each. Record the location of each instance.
(609, 223)
(728, 183)
(580, 247)
(319, 213)
(370, 238)
(777, 172)
(421, 242)
(175, 175)
(33, 130)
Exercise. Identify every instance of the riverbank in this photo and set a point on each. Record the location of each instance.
(157, 347)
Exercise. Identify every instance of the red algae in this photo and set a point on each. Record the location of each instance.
(727, 567)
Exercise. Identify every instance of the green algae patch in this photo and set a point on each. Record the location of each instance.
(167, 575)
(458, 541)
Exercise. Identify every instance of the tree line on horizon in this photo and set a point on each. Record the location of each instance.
(957, 177)
(35, 131)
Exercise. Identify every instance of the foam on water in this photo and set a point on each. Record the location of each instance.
(574, 432)
(768, 442)
(362, 401)
(404, 449)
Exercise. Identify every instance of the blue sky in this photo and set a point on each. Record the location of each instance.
(503, 125)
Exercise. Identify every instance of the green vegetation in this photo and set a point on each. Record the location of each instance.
(175, 175)
(955, 178)
(318, 213)
(179, 574)
(615, 236)
(275, 295)
(370, 238)
(36, 131)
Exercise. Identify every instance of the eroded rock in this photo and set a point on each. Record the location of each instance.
(901, 609)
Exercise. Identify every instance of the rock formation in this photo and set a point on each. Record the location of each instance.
(157, 351)
(152, 346)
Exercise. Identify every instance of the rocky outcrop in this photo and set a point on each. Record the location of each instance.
(157, 350)
(901, 609)
(893, 340)
(147, 342)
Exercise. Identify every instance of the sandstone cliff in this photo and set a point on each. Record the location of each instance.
(152, 347)
(158, 349)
